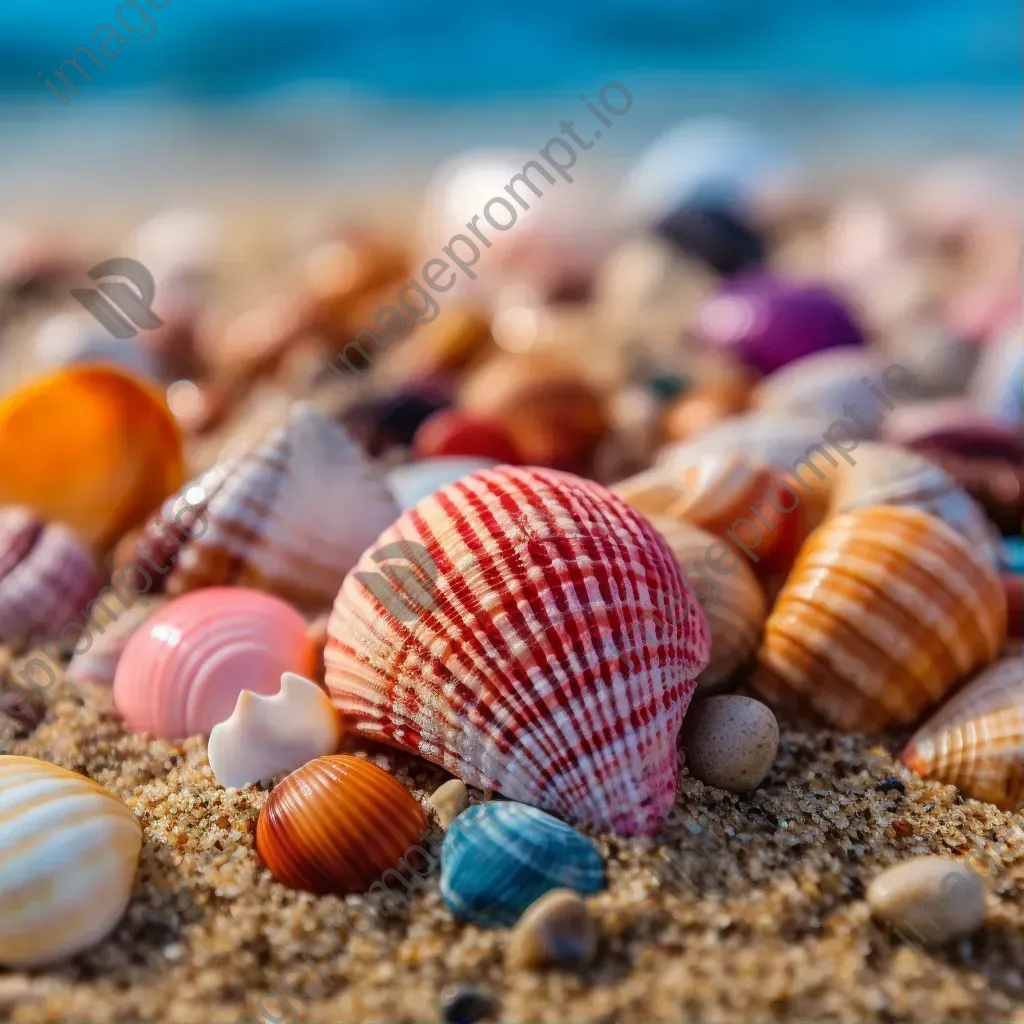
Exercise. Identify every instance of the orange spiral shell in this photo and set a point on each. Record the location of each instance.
(886, 608)
(336, 825)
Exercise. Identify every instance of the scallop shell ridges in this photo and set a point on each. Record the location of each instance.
(551, 657)
(976, 741)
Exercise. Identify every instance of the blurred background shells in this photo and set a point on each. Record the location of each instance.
(709, 161)
(67, 339)
(182, 671)
(383, 422)
(290, 516)
(766, 322)
(47, 578)
(822, 386)
(885, 610)
(337, 825)
(68, 855)
(732, 600)
(506, 571)
(553, 415)
(413, 481)
(976, 740)
(886, 475)
(498, 858)
(91, 447)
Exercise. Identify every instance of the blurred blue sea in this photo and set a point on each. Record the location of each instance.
(468, 49)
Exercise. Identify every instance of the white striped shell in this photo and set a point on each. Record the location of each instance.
(68, 854)
(540, 641)
(290, 516)
(886, 475)
(732, 600)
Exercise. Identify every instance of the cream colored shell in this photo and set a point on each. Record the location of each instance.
(68, 854)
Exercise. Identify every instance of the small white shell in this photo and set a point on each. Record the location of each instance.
(269, 735)
(68, 853)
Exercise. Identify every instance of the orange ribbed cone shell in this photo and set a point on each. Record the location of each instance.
(886, 608)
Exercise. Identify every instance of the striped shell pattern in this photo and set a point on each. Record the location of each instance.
(886, 608)
(554, 649)
(290, 516)
(976, 740)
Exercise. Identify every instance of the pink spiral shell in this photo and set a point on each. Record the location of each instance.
(552, 654)
(182, 672)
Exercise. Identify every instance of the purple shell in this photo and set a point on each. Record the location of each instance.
(767, 322)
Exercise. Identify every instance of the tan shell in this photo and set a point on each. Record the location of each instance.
(886, 608)
(885, 475)
(732, 601)
(976, 741)
(730, 496)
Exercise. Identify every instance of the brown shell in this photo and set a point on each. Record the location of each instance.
(885, 610)
(976, 741)
(885, 475)
(554, 416)
(732, 601)
(336, 825)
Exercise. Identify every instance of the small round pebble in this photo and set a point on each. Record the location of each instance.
(730, 742)
(464, 1004)
(928, 900)
(555, 931)
(449, 800)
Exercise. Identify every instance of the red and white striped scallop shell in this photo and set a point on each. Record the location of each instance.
(553, 653)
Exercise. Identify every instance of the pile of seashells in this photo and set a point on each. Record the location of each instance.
(547, 639)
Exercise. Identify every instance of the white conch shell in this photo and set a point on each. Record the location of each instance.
(268, 735)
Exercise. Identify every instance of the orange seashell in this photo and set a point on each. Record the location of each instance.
(886, 608)
(553, 415)
(731, 496)
(885, 475)
(336, 825)
(89, 446)
(732, 600)
(976, 741)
